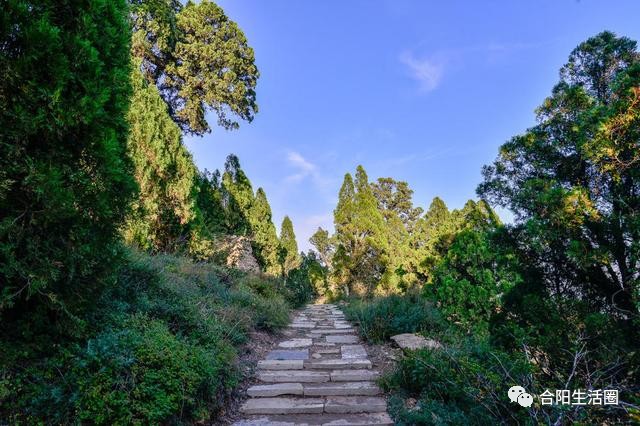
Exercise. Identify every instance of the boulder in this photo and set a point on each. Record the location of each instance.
(413, 341)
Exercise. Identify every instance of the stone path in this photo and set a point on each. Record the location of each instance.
(320, 375)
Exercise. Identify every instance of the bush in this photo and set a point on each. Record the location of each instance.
(158, 347)
(465, 380)
(384, 317)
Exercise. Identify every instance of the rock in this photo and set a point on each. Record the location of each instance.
(415, 341)
(283, 406)
(295, 343)
(342, 339)
(288, 355)
(299, 376)
(276, 389)
(239, 253)
(277, 364)
(341, 388)
(355, 404)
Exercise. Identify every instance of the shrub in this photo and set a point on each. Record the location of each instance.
(384, 317)
(468, 380)
(157, 347)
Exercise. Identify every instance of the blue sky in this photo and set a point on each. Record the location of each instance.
(422, 91)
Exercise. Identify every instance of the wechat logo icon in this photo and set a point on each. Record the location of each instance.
(519, 395)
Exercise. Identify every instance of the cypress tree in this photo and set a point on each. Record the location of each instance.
(166, 209)
(65, 178)
(265, 238)
(289, 256)
(237, 197)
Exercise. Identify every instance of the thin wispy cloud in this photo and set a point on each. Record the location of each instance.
(427, 72)
(304, 167)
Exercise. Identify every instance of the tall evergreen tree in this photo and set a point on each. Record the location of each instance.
(264, 234)
(65, 178)
(237, 197)
(209, 201)
(359, 234)
(166, 210)
(289, 255)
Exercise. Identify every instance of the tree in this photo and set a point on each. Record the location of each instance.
(400, 217)
(359, 227)
(65, 178)
(209, 201)
(237, 197)
(166, 211)
(323, 244)
(395, 199)
(198, 59)
(289, 256)
(264, 234)
(572, 180)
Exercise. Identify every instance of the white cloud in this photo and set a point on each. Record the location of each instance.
(427, 71)
(305, 168)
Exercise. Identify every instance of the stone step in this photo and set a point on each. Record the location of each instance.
(355, 404)
(353, 352)
(353, 375)
(326, 419)
(341, 388)
(277, 364)
(276, 389)
(288, 355)
(296, 343)
(347, 339)
(337, 364)
(291, 376)
(321, 331)
(283, 406)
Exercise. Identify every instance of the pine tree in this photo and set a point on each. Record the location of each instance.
(264, 234)
(289, 256)
(198, 58)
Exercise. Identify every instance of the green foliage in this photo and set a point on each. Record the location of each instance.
(472, 278)
(359, 236)
(237, 197)
(158, 347)
(198, 59)
(265, 239)
(381, 318)
(572, 179)
(465, 383)
(65, 181)
(288, 255)
(166, 215)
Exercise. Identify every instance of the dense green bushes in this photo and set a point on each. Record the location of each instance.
(384, 317)
(158, 347)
